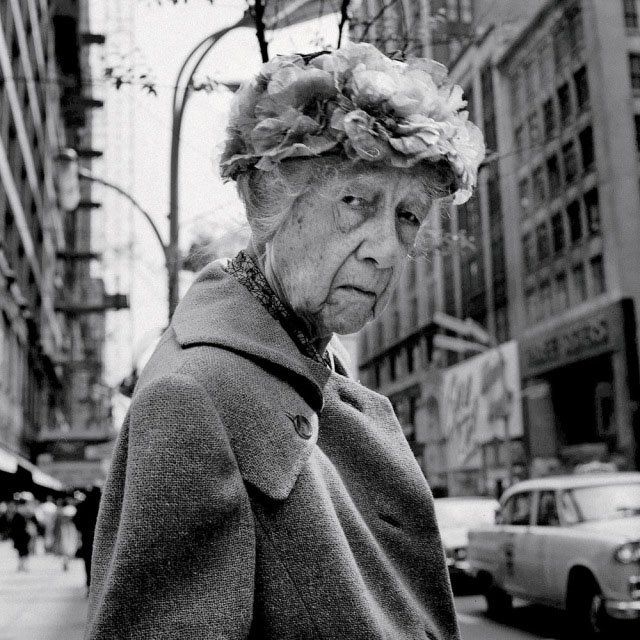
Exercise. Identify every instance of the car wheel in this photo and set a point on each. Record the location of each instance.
(585, 608)
(499, 602)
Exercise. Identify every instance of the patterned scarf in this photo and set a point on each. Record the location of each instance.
(247, 273)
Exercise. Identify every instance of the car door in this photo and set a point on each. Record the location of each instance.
(517, 541)
(544, 534)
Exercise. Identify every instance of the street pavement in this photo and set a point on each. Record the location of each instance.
(523, 623)
(45, 603)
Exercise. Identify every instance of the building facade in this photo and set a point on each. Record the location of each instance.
(553, 223)
(570, 80)
(52, 402)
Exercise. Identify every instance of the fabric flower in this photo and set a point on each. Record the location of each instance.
(356, 101)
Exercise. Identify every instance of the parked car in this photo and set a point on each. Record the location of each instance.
(455, 517)
(572, 542)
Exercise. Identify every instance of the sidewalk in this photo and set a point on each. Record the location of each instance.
(45, 603)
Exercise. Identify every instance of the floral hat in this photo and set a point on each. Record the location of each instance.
(355, 101)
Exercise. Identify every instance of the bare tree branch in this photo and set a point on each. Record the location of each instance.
(344, 16)
(257, 13)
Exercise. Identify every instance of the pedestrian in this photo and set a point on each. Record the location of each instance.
(47, 516)
(256, 490)
(85, 521)
(65, 534)
(19, 528)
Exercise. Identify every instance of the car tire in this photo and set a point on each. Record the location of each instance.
(585, 608)
(499, 602)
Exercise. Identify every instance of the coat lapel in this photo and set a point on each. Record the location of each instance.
(264, 412)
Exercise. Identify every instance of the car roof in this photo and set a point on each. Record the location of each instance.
(573, 481)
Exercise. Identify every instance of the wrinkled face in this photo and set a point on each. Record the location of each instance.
(338, 256)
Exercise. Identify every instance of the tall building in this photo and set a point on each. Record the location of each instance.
(569, 82)
(32, 334)
(554, 266)
(53, 401)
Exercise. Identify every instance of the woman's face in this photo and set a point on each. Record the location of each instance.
(342, 249)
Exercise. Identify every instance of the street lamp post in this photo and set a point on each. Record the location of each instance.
(181, 94)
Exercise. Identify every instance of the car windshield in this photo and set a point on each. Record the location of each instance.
(607, 501)
(464, 513)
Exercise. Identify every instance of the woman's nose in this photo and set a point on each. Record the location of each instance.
(381, 243)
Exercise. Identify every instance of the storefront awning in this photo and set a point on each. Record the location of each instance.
(9, 463)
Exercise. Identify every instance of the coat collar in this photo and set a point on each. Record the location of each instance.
(217, 310)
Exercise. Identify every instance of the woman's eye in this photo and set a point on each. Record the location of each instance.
(355, 202)
(409, 217)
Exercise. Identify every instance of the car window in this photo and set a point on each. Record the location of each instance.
(517, 509)
(547, 510)
(568, 508)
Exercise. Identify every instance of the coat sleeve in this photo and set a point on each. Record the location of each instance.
(174, 552)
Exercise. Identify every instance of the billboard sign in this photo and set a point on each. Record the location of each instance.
(478, 396)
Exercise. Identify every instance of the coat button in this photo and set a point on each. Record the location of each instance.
(302, 426)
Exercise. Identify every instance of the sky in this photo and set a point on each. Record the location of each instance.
(135, 135)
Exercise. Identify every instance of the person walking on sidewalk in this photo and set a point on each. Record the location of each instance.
(19, 530)
(85, 521)
(256, 490)
(65, 534)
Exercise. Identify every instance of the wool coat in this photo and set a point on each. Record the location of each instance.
(254, 493)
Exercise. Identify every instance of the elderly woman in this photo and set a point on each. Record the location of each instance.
(256, 490)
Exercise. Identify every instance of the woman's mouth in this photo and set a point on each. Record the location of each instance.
(351, 288)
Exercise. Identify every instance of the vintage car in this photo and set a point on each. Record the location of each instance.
(455, 517)
(571, 542)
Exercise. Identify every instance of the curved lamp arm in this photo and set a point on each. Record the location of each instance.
(180, 97)
(87, 175)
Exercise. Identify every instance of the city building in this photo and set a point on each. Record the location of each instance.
(553, 224)
(570, 184)
(52, 400)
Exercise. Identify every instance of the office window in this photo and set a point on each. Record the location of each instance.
(634, 69)
(592, 207)
(452, 10)
(546, 65)
(579, 282)
(539, 187)
(411, 274)
(557, 231)
(549, 114)
(560, 293)
(570, 160)
(575, 221)
(545, 298)
(564, 102)
(586, 147)
(581, 83)
(475, 279)
(502, 324)
(466, 11)
(531, 304)
(528, 251)
(597, 275)
(534, 129)
(542, 238)
(524, 189)
(553, 175)
(413, 312)
(575, 28)
(630, 14)
(519, 139)
(517, 97)
(380, 335)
